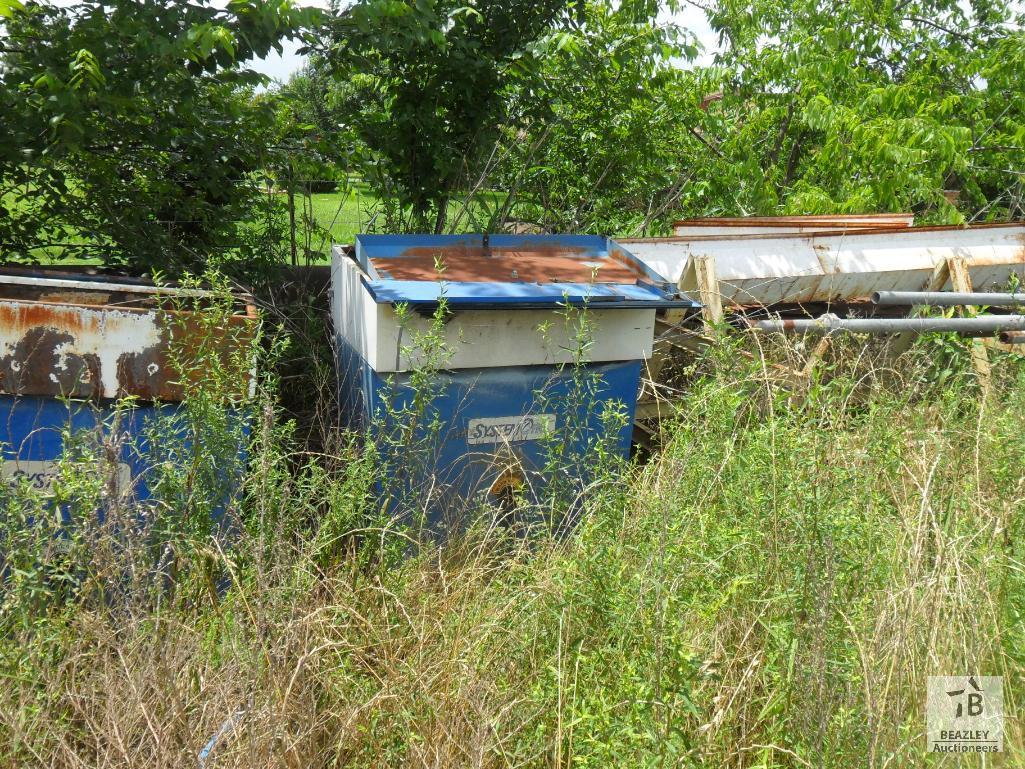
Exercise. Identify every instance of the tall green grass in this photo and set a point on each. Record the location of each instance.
(772, 590)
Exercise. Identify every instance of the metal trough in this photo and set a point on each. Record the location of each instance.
(835, 266)
(71, 347)
(514, 367)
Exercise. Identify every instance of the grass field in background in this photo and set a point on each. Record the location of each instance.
(337, 217)
(347, 213)
(343, 214)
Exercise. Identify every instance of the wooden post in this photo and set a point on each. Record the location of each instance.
(814, 358)
(936, 282)
(961, 280)
(700, 275)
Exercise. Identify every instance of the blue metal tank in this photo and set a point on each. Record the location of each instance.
(528, 373)
(72, 350)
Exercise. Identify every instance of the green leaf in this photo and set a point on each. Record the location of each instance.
(8, 8)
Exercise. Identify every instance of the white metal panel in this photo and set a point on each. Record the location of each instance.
(43, 282)
(353, 312)
(771, 269)
(490, 338)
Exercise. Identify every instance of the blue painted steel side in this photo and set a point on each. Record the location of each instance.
(441, 472)
(35, 428)
(32, 428)
(500, 295)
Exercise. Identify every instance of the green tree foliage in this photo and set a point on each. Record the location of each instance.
(129, 127)
(432, 80)
(602, 144)
(867, 106)
(313, 125)
(808, 108)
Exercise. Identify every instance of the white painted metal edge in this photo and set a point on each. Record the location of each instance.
(126, 288)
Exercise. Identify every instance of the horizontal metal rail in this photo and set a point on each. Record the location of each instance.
(828, 324)
(89, 285)
(947, 298)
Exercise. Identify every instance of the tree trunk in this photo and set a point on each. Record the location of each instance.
(291, 215)
(439, 222)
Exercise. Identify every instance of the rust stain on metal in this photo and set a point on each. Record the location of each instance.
(530, 264)
(35, 365)
(75, 297)
(86, 350)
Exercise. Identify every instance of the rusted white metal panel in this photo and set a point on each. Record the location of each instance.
(78, 351)
(50, 285)
(86, 339)
(776, 269)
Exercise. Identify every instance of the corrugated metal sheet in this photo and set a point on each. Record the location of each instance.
(87, 339)
(776, 269)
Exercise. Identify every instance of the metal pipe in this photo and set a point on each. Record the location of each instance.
(983, 325)
(947, 298)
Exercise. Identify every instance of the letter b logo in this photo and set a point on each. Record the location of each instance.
(974, 704)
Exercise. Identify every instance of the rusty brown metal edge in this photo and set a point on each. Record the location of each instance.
(876, 221)
(857, 233)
